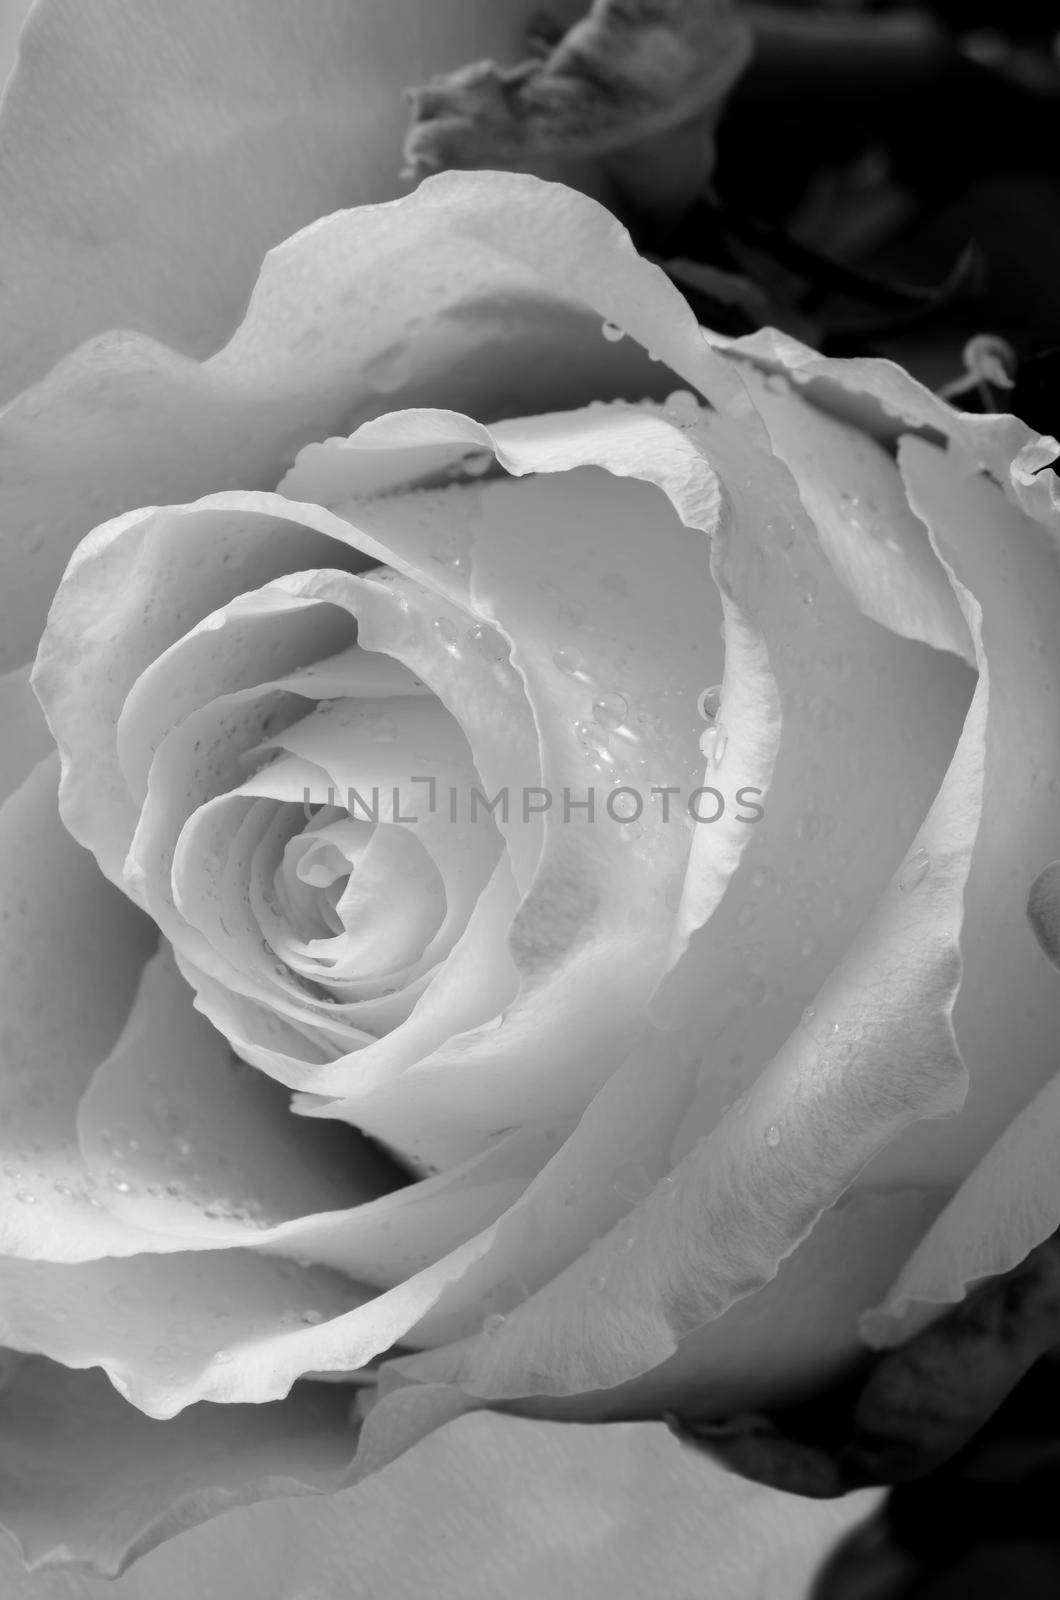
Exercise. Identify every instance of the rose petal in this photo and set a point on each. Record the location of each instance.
(503, 1506)
(156, 1323)
(90, 1482)
(1008, 1204)
(238, 125)
(136, 587)
(506, 263)
(202, 1152)
(1007, 1014)
(70, 958)
(717, 1227)
(863, 724)
(170, 1109)
(734, 1363)
(576, 645)
(26, 736)
(854, 495)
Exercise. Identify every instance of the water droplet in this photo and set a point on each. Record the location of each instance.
(311, 1317)
(119, 1184)
(807, 587)
(492, 1324)
(633, 1183)
(772, 1136)
(487, 643)
(809, 1014)
(221, 1357)
(611, 709)
(594, 745)
(612, 332)
(183, 1148)
(65, 1189)
(26, 1197)
(477, 463)
(570, 663)
(713, 743)
(446, 633)
(914, 871)
(624, 807)
(709, 703)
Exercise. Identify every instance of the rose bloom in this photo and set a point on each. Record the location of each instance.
(314, 1066)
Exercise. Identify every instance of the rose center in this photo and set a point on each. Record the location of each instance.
(360, 899)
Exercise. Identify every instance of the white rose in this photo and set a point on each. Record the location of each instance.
(669, 1097)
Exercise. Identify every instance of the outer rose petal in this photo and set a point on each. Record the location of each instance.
(506, 265)
(26, 737)
(152, 154)
(90, 1482)
(503, 1506)
(70, 959)
(1007, 1014)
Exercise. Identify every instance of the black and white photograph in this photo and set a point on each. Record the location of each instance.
(529, 800)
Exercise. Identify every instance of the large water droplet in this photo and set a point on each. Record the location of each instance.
(311, 1317)
(611, 709)
(487, 643)
(709, 703)
(26, 1197)
(914, 871)
(612, 332)
(492, 1324)
(772, 1136)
